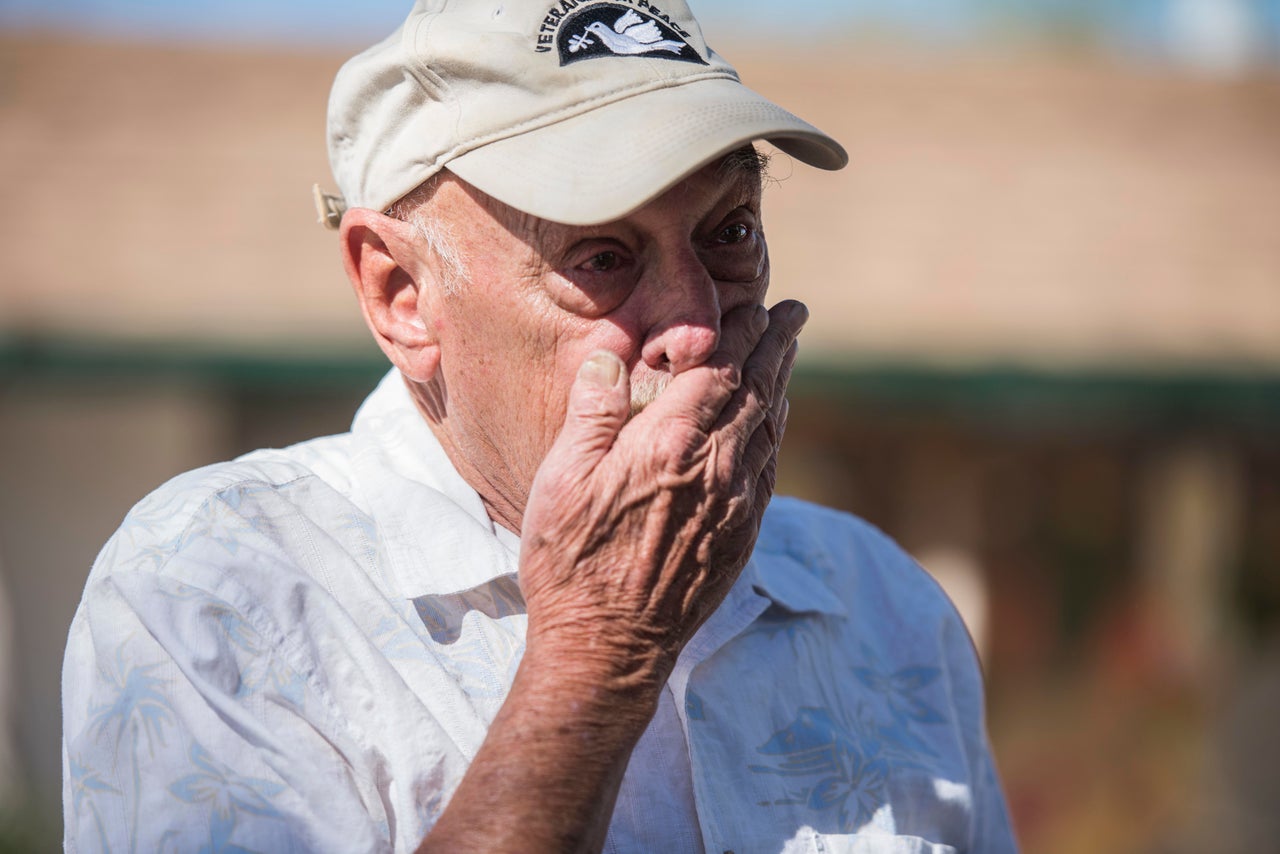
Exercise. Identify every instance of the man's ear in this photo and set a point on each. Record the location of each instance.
(385, 265)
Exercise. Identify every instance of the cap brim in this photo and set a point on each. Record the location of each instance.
(601, 165)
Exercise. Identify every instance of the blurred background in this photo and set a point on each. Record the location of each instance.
(1044, 353)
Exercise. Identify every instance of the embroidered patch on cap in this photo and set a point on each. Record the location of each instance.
(611, 29)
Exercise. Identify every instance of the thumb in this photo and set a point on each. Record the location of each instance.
(599, 402)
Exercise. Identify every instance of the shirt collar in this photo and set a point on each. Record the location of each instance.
(434, 531)
(786, 568)
(438, 538)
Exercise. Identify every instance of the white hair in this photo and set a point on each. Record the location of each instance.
(433, 230)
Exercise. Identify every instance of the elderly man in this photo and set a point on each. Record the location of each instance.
(533, 600)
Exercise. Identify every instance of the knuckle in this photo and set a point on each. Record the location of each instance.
(728, 376)
(755, 408)
(770, 426)
(765, 485)
(759, 386)
(737, 509)
(679, 444)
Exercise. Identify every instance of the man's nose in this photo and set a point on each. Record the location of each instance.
(685, 315)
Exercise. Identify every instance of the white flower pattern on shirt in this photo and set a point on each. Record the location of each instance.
(228, 796)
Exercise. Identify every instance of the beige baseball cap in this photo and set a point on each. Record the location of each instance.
(576, 111)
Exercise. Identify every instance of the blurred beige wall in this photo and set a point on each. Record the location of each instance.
(1035, 209)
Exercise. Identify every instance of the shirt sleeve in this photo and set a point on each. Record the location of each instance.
(991, 831)
(192, 721)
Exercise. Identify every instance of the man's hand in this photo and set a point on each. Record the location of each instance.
(633, 534)
(635, 530)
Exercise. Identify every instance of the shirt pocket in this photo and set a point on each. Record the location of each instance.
(866, 843)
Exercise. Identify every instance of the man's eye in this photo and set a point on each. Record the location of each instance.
(735, 233)
(602, 262)
(599, 282)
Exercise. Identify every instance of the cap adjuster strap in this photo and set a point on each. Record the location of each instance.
(329, 207)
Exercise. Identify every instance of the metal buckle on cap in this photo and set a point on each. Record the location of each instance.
(329, 207)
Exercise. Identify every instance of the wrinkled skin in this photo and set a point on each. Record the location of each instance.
(653, 288)
(615, 394)
(635, 532)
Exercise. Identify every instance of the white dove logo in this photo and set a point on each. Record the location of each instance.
(631, 34)
(611, 29)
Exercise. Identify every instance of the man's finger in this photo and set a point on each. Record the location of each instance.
(780, 389)
(759, 450)
(599, 402)
(766, 372)
(749, 422)
(762, 449)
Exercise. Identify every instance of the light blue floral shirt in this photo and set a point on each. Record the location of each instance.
(302, 650)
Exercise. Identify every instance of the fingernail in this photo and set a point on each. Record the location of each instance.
(799, 312)
(601, 369)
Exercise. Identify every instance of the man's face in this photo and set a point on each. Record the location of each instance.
(540, 297)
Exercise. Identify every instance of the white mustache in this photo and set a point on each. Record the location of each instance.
(645, 390)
